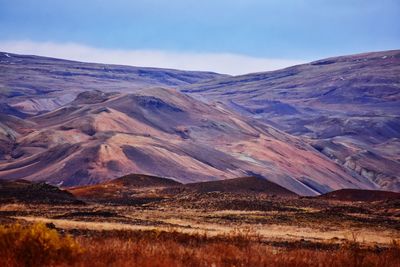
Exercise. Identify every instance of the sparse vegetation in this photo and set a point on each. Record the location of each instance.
(37, 245)
(236, 249)
(199, 229)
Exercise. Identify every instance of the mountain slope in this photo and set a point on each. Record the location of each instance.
(36, 84)
(161, 132)
(348, 107)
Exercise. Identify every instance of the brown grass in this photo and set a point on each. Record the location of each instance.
(238, 249)
(162, 248)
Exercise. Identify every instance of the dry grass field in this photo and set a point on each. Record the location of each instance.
(206, 229)
(37, 245)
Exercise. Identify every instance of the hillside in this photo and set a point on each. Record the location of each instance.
(312, 128)
(347, 107)
(160, 132)
(33, 84)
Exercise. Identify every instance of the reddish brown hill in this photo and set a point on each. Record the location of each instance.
(360, 195)
(127, 189)
(140, 189)
(141, 180)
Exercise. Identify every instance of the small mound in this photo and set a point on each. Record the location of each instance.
(22, 191)
(141, 181)
(360, 195)
(250, 184)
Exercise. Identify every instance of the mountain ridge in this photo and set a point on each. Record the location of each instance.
(35, 84)
(270, 124)
(347, 107)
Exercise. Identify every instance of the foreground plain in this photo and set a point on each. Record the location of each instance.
(160, 228)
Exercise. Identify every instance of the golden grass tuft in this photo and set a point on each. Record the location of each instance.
(35, 245)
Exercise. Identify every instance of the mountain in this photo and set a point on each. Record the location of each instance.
(101, 136)
(35, 84)
(347, 107)
(311, 128)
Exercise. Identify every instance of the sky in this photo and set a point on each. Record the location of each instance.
(227, 36)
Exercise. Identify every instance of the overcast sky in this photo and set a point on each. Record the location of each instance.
(229, 36)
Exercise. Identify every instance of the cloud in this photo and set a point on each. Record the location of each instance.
(218, 62)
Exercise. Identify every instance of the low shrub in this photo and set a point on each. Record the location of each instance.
(35, 245)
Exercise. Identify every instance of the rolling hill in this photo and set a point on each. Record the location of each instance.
(347, 107)
(313, 128)
(161, 132)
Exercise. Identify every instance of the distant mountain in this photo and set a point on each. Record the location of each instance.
(347, 107)
(160, 132)
(35, 84)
